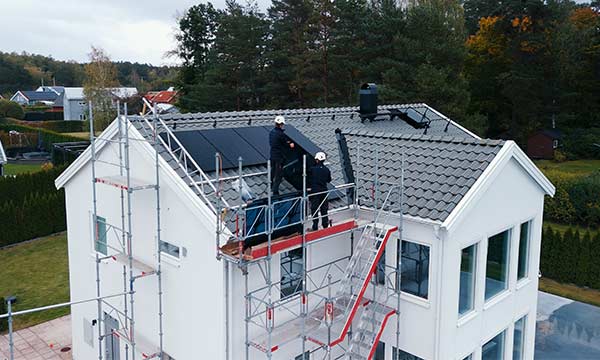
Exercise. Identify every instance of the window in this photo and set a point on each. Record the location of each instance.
(554, 144)
(403, 355)
(415, 269)
(523, 263)
(305, 356)
(380, 276)
(496, 275)
(100, 243)
(88, 332)
(467, 279)
(519, 339)
(494, 349)
(380, 351)
(291, 272)
(170, 249)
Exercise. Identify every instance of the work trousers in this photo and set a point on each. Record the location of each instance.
(322, 201)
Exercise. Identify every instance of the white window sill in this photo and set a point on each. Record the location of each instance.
(523, 283)
(425, 303)
(170, 260)
(465, 318)
(496, 299)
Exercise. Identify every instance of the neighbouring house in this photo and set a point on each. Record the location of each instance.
(75, 105)
(433, 251)
(542, 144)
(164, 100)
(25, 98)
(3, 159)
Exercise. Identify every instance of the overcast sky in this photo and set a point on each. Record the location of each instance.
(130, 30)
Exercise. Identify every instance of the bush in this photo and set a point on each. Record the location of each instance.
(577, 199)
(3, 310)
(46, 137)
(11, 109)
(30, 206)
(579, 143)
(61, 126)
(571, 258)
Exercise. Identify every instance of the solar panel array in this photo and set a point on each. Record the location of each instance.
(251, 143)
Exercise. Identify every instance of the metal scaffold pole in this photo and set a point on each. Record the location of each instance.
(129, 236)
(96, 227)
(158, 235)
(399, 260)
(304, 297)
(270, 320)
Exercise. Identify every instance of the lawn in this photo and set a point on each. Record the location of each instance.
(562, 228)
(38, 274)
(81, 135)
(589, 296)
(16, 169)
(577, 167)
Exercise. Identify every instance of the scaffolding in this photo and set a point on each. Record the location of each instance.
(114, 243)
(346, 306)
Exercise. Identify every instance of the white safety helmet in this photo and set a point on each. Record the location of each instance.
(320, 156)
(279, 120)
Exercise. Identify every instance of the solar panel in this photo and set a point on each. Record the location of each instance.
(257, 137)
(298, 138)
(202, 151)
(231, 145)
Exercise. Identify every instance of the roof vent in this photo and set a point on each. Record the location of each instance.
(368, 99)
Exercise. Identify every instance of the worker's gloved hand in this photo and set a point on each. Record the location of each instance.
(291, 145)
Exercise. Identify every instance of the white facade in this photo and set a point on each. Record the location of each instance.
(510, 191)
(75, 105)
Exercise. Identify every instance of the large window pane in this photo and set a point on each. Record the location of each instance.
(519, 339)
(496, 276)
(100, 243)
(291, 272)
(523, 251)
(380, 275)
(494, 349)
(467, 279)
(415, 269)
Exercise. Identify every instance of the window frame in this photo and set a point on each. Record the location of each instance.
(405, 353)
(99, 222)
(508, 250)
(527, 256)
(525, 319)
(503, 348)
(474, 287)
(400, 256)
(165, 253)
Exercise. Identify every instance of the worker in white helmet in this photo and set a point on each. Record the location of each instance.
(319, 179)
(279, 142)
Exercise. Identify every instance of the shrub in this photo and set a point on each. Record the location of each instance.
(3, 310)
(61, 126)
(577, 199)
(11, 109)
(579, 143)
(45, 137)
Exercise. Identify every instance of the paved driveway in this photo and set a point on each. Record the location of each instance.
(43, 341)
(566, 329)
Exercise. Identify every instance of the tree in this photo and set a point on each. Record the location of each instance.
(11, 109)
(195, 39)
(432, 54)
(101, 77)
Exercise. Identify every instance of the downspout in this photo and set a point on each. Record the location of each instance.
(438, 310)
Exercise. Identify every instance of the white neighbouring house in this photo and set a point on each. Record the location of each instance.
(470, 249)
(75, 105)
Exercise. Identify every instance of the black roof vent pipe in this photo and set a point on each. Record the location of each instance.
(368, 100)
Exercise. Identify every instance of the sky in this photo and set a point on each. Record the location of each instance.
(66, 29)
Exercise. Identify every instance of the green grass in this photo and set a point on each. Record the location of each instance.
(569, 291)
(576, 167)
(563, 228)
(16, 169)
(38, 274)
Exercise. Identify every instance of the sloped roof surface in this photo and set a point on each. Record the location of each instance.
(438, 171)
(40, 95)
(450, 157)
(161, 97)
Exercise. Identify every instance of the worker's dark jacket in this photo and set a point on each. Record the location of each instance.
(279, 141)
(320, 176)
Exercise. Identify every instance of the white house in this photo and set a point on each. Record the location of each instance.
(470, 241)
(75, 106)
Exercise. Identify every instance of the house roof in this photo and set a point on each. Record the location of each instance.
(161, 97)
(77, 93)
(3, 159)
(443, 168)
(40, 95)
(551, 133)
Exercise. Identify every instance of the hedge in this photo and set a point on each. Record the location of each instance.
(61, 126)
(4, 321)
(30, 207)
(46, 137)
(44, 116)
(577, 199)
(571, 257)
